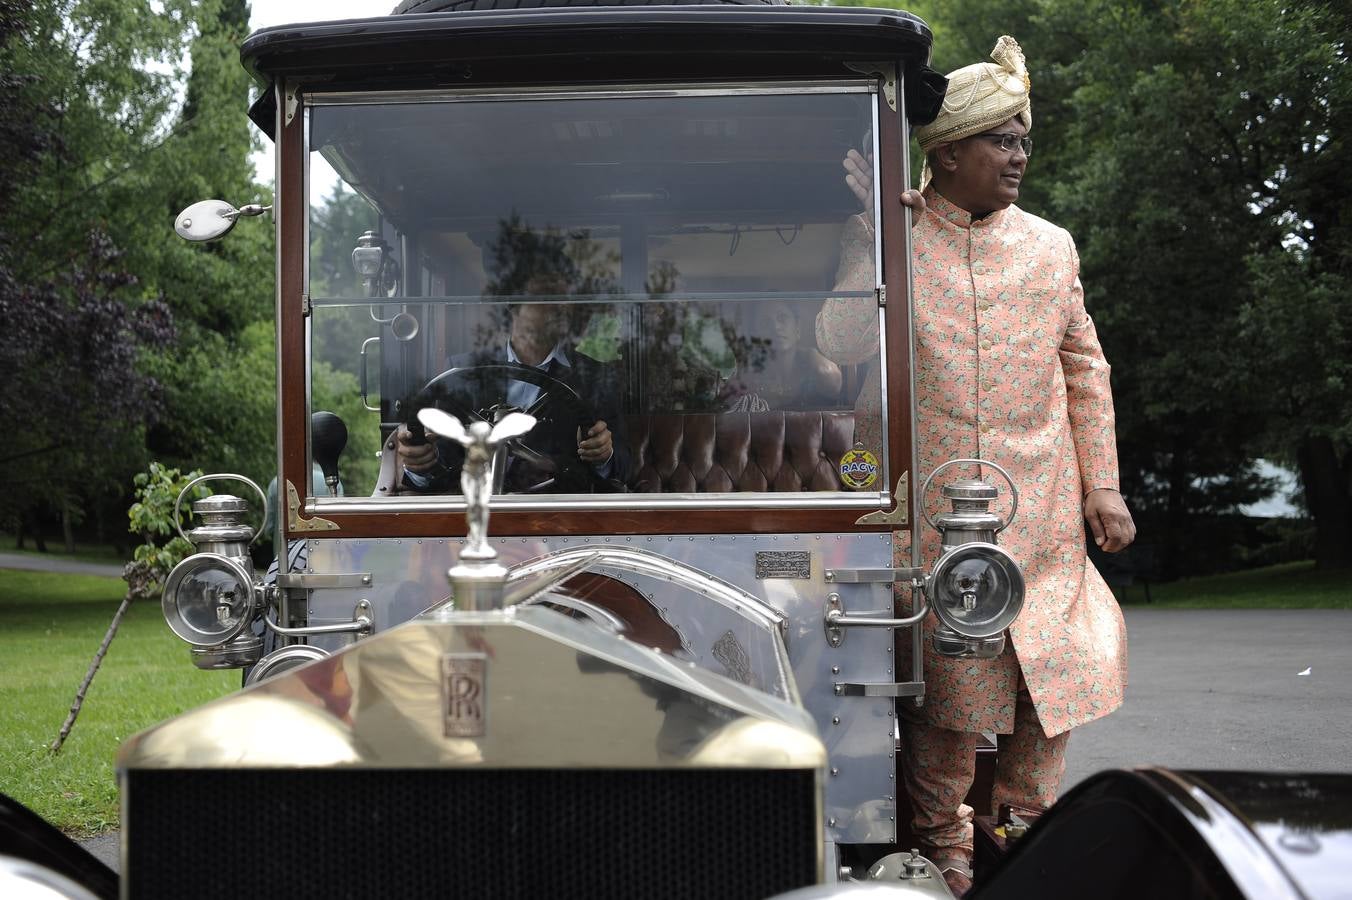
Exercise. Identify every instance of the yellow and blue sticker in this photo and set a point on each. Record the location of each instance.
(858, 469)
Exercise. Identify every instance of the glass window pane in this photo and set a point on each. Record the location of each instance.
(659, 263)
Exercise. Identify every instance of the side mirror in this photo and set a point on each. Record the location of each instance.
(208, 220)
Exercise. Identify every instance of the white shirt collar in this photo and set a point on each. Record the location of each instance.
(556, 354)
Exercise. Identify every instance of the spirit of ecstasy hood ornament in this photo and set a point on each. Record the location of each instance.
(480, 441)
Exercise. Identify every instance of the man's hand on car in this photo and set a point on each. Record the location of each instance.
(859, 178)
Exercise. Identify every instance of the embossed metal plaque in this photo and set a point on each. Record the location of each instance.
(464, 694)
(783, 564)
(734, 658)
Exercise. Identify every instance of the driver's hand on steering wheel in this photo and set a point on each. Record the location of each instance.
(596, 446)
(419, 457)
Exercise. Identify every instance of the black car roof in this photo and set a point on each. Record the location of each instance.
(390, 46)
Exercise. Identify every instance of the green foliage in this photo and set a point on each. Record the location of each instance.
(337, 392)
(152, 518)
(1198, 153)
(222, 395)
(120, 138)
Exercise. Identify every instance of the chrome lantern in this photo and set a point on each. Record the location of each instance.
(211, 597)
(976, 588)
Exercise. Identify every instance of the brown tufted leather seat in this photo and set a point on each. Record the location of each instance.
(770, 451)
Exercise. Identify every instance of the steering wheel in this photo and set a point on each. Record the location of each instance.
(477, 392)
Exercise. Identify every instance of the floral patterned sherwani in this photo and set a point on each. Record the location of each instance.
(1008, 369)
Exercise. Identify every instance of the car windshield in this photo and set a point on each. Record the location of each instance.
(641, 271)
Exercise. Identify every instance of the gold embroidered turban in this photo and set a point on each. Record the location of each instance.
(981, 96)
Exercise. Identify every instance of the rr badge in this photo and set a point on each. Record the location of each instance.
(464, 694)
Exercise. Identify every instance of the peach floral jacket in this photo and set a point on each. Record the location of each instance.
(1009, 369)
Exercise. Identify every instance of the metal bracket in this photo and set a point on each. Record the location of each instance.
(881, 293)
(312, 581)
(305, 307)
(293, 520)
(900, 689)
(885, 72)
(837, 619)
(835, 635)
(899, 515)
(292, 99)
(873, 576)
(362, 624)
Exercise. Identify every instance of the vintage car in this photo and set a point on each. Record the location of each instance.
(614, 599)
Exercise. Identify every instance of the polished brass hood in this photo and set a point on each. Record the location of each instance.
(525, 687)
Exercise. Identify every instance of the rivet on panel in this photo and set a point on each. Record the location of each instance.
(835, 670)
(835, 720)
(835, 771)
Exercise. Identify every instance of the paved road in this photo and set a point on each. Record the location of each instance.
(1210, 689)
(36, 562)
(1222, 689)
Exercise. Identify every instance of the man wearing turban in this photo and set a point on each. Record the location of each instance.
(1008, 368)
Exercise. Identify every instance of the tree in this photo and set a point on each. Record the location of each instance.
(1236, 115)
(74, 391)
(103, 146)
(1197, 151)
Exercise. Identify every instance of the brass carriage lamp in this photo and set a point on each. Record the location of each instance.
(976, 588)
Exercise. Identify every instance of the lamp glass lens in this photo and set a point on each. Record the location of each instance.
(366, 261)
(213, 602)
(976, 592)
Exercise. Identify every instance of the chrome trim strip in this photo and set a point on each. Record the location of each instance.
(877, 204)
(885, 411)
(593, 92)
(598, 614)
(916, 561)
(645, 562)
(481, 299)
(626, 502)
(308, 320)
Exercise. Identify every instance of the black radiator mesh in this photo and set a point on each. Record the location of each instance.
(467, 833)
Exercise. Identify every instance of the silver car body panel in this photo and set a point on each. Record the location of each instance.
(408, 575)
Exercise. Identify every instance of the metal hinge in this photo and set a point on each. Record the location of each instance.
(886, 72)
(881, 292)
(898, 516)
(294, 522)
(305, 307)
(291, 97)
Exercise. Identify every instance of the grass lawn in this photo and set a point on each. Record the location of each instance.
(53, 626)
(1287, 586)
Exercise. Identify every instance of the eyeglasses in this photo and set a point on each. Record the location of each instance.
(1010, 142)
